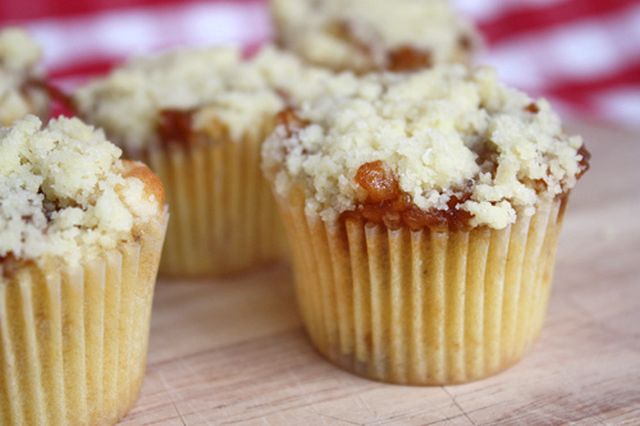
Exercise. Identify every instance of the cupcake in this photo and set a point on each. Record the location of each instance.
(81, 234)
(22, 90)
(423, 212)
(198, 117)
(364, 35)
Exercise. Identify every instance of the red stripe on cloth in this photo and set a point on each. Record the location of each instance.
(18, 11)
(95, 66)
(581, 91)
(520, 20)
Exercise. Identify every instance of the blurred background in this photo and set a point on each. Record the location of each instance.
(584, 55)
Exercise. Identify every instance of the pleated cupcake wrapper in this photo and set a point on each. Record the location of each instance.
(73, 340)
(223, 217)
(422, 307)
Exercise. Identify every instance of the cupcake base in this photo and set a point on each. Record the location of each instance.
(223, 217)
(423, 308)
(73, 340)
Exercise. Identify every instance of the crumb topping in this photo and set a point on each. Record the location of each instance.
(443, 139)
(364, 35)
(64, 192)
(178, 95)
(130, 101)
(19, 56)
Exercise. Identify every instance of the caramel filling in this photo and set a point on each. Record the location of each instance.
(533, 108)
(584, 164)
(386, 204)
(465, 42)
(401, 59)
(10, 265)
(343, 30)
(407, 58)
(291, 121)
(175, 126)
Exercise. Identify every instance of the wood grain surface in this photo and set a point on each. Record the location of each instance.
(233, 351)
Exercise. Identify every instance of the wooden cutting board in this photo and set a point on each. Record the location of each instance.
(233, 351)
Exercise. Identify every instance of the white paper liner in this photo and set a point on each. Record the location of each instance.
(422, 307)
(73, 340)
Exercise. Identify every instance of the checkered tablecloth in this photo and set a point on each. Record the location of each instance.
(582, 54)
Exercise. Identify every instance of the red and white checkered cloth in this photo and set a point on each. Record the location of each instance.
(582, 54)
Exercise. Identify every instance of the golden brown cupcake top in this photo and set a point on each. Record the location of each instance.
(441, 141)
(65, 192)
(366, 35)
(19, 56)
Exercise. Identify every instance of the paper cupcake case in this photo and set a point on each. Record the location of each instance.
(223, 217)
(424, 308)
(73, 340)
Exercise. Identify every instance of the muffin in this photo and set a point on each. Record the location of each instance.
(423, 212)
(365, 35)
(81, 234)
(22, 90)
(198, 117)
